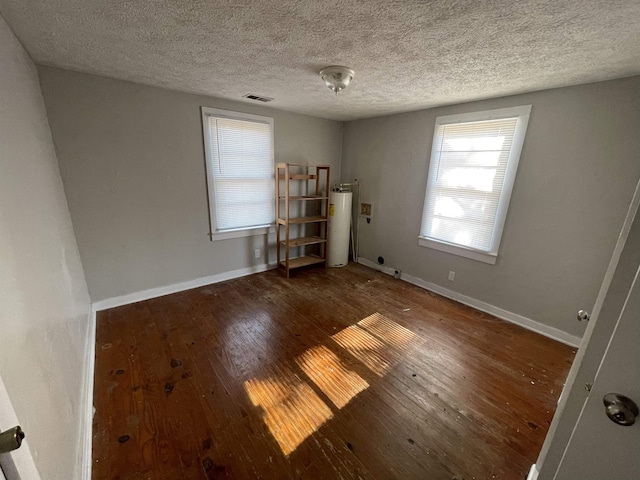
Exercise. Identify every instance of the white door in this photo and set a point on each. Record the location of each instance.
(599, 448)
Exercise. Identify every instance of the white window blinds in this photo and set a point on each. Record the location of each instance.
(471, 174)
(240, 170)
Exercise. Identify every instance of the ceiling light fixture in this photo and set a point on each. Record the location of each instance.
(337, 78)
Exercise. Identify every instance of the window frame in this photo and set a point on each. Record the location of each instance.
(206, 113)
(490, 256)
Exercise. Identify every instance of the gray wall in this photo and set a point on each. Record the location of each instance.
(577, 173)
(132, 162)
(44, 304)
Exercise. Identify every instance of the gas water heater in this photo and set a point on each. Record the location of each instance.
(339, 228)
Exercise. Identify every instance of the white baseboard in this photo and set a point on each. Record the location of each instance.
(86, 410)
(529, 324)
(533, 473)
(178, 287)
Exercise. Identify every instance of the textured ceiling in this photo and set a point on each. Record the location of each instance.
(407, 54)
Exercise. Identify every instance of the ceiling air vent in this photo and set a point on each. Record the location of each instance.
(257, 97)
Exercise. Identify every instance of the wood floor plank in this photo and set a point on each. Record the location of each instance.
(339, 373)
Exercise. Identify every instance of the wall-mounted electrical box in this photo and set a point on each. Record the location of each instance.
(366, 209)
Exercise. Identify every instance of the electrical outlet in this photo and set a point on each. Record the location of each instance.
(257, 253)
(452, 276)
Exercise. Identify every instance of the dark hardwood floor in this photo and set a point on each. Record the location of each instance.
(345, 373)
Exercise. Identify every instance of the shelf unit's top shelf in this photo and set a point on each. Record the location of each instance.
(283, 165)
(298, 176)
(299, 220)
(304, 197)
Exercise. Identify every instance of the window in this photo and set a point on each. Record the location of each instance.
(473, 165)
(240, 173)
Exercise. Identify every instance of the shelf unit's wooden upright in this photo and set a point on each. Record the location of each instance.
(311, 192)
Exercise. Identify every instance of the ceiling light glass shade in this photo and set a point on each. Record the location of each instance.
(337, 78)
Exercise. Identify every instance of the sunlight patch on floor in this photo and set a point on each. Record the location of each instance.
(292, 410)
(389, 331)
(374, 354)
(338, 383)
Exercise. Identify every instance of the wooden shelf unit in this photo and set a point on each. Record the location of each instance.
(306, 187)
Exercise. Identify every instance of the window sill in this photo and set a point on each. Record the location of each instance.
(248, 232)
(457, 250)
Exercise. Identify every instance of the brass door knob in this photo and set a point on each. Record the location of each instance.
(11, 439)
(620, 409)
(583, 315)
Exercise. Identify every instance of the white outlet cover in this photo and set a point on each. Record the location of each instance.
(452, 275)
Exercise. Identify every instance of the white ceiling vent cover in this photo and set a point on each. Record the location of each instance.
(257, 97)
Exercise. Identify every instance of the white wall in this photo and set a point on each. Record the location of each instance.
(577, 173)
(44, 304)
(132, 161)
